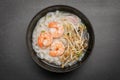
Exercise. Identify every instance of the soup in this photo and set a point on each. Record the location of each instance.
(60, 38)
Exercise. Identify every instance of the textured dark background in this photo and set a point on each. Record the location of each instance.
(16, 62)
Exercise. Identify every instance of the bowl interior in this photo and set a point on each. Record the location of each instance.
(43, 63)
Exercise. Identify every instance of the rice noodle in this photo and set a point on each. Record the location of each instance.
(75, 38)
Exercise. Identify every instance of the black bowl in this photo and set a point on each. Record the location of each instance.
(52, 67)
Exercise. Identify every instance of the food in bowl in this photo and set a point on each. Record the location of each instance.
(60, 38)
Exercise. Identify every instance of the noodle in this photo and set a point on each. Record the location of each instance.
(75, 38)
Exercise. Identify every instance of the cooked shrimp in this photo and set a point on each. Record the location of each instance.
(56, 29)
(45, 39)
(57, 48)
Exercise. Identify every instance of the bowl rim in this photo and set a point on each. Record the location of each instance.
(29, 44)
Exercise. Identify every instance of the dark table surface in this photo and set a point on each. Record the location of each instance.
(16, 62)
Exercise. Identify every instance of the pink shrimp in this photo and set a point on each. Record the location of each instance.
(55, 29)
(57, 49)
(45, 39)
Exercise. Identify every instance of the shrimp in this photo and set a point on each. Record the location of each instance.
(56, 49)
(45, 39)
(56, 29)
